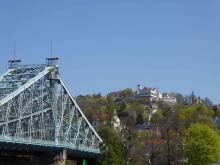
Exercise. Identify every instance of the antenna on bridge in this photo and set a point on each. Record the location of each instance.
(51, 60)
(51, 48)
(14, 53)
(14, 63)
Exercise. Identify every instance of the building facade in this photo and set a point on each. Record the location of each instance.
(168, 98)
(150, 93)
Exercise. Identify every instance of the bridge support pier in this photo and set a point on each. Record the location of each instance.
(60, 158)
(43, 158)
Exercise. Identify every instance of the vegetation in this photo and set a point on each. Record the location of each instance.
(201, 145)
(179, 133)
(113, 149)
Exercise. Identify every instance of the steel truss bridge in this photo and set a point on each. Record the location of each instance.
(37, 112)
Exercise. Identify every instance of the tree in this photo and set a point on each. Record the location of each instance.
(133, 109)
(137, 148)
(193, 96)
(156, 116)
(127, 92)
(169, 127)
(140, 118)
(179, 98)
(113, 148)
(195, 114)
(216, 111)
(207, 101)
(120, 106)
(201, 145)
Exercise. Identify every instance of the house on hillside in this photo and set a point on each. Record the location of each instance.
(149, 93)
(116, 123)
(193, 99)
(152, 108)
(168, 98)
(115, 95)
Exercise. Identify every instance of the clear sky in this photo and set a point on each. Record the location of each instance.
(107, 45)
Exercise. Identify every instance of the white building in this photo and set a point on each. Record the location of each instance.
(166, 97)
(151, 93)
(116, 123)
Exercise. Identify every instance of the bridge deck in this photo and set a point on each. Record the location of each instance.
(24, 144)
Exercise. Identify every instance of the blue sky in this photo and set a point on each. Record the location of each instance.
(107, 45)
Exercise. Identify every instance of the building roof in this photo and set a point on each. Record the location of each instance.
(115, 94)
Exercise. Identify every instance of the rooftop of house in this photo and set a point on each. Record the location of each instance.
(115, 94)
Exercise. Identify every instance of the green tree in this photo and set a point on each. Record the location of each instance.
(201, 145)
(140, 118)
(120, 106)
(156, 116)
(193, 96)
(196, 114)
(179, 98)
(127, 92)
(113, 147)
(137, 149)
(133, 109)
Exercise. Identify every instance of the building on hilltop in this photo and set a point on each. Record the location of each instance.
(152, 108)
(97, 95)
(115, 95)
(168, 98)
(150, 93)
(193, 99)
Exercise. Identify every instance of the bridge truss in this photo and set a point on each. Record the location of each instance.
(37, 109)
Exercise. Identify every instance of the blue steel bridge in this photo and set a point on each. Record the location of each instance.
(38, 113)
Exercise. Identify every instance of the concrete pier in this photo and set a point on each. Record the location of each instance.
(60, 158)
